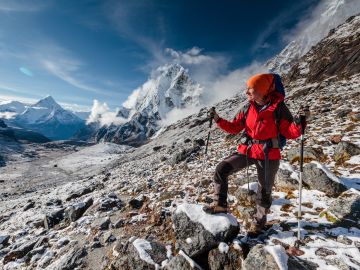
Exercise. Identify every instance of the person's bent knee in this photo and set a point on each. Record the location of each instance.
(223, 169)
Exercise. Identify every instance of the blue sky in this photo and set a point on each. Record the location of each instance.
(78, 51)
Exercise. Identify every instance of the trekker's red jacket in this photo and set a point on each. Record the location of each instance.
(261, 125)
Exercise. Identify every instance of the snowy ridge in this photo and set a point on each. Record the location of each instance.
(326, 16)
(12, 106)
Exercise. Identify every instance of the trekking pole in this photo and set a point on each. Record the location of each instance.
(302, 138)
(210, 125)
(211, 117)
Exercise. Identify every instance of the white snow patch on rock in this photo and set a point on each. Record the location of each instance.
(212, 223)
(280, 256)
(142, 246)
(192, 263)
(287, 167)
(223, 247)
(326, 170)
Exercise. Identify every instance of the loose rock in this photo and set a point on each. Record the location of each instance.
(206, 231)
(316, 176)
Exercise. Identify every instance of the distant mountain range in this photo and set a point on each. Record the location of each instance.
(46, 117)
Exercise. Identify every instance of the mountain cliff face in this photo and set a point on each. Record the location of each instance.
(50, 119)
(170, 87)
(337, 55)
(328, 15)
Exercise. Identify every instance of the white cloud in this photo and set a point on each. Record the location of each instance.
(233, 83)
(75, 107)
(100, 113)
(203, 68)
(7, 115)
(190, 57)
(17, 98)
(177, 114)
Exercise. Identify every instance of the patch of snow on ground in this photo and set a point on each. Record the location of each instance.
(342, 251)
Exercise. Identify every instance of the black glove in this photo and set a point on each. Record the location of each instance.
(213, 114)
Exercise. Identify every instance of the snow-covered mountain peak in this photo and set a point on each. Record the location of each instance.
(47, 102)
(169, 87)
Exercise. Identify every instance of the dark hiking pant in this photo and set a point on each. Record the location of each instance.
(235, 163)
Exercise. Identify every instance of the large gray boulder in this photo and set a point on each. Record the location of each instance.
(143, 254)
(345, 210)
(4, 239)
(225, 258)
(197, 232)
(185, 154)
(260, 258)
(344, 151)
(317, 176)
(53, 218)
(75, 211)
(286, 178)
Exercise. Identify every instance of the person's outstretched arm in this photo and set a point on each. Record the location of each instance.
(233, 127)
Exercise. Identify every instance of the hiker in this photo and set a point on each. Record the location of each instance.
(263, 120)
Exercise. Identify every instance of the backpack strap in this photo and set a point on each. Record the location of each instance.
(282, 112)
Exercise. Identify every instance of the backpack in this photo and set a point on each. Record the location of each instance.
(279, 87)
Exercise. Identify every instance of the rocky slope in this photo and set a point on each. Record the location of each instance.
(140, 208)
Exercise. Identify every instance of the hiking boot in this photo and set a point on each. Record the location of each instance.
(255, 228)
(214, 209)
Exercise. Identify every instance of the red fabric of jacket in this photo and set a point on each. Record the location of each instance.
(261, 125)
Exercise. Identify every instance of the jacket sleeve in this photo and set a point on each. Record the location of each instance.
(234, 126)
(288, 127)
